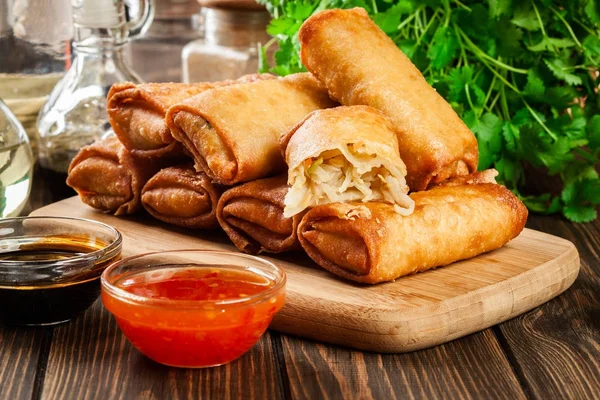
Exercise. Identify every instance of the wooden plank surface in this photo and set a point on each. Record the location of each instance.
(556, 347)
(90, 359)
(411, 313)
(23, 353)
(473, 367)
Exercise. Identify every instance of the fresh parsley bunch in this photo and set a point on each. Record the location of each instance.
(523, 75)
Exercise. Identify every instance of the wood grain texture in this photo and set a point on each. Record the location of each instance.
(20, 352)
(556, 347)
(412, 313)
(474, 367)
(91, 359)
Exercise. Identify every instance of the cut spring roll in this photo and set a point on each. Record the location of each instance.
(109, 178)
(137, 112)
(233, 132)
(359, 64)
(252, 216)
(344, 154)
(181, 196)
(371, 243)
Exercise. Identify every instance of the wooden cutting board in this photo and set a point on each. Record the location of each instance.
(411, 313)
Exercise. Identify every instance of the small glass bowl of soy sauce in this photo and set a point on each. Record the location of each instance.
(50, 267)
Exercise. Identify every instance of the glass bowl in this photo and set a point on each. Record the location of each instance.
(50, 267)
(193, 308)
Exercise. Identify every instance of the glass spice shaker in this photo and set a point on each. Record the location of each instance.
(233, 29)
(16, 164)
(75, 113)
(175, 24)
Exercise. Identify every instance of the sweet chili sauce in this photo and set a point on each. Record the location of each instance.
(197, 316)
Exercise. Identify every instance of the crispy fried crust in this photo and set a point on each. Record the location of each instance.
(137, 113)
(370, 243)
(359, 64)
(486, 176)
(181, 196)
(109, 178)
(233, 132)
(252, 216)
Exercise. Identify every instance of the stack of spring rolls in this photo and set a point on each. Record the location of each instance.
(359, 162)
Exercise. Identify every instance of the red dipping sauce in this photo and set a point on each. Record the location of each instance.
(193, 315)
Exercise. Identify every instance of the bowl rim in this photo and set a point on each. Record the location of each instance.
(111, 247)
(122, 294)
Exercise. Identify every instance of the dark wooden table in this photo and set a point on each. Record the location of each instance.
(551, 352)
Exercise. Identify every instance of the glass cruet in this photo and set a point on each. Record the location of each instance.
(35, 51)
(16, 164)
(75, 113)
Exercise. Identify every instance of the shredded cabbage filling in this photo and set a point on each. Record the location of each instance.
(346, 174)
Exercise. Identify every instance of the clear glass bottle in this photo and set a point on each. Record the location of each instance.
(16, 164)
(229, 48)
(35, 51)
(75, 113)
(175, 24)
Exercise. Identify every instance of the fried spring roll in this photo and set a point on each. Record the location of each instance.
(181, 196)
(486, 176)
(252, 216)
(371, 243)
(233, 132)
(137, 112)
(109, 178)
(359, 64)
(344, 154)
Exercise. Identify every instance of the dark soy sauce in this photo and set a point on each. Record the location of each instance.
(50, 302)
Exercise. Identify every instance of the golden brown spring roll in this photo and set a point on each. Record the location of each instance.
(109, 178)
(137, 112)
(181, 196)
(344, 154)
(371, 243)
(252, 216)
(486, 176)
(359, 64)
(233, 131)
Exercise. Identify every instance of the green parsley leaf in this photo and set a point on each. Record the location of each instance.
(525, 17)
(283, 27)
(499, 7)
(457, 80)
(580, 214)
(562, 71)
(509, 38)
(443, 47)
(510, 172)
(408, 47)
(546, 203)
(299, 10)
(593, 132)
(534, 88)
(578, 170)
(510, 133)
(488, 130)
(592, 11)
(552, 44)
(561, 97)
(591, 45)
(573, 127)
(389, 20)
